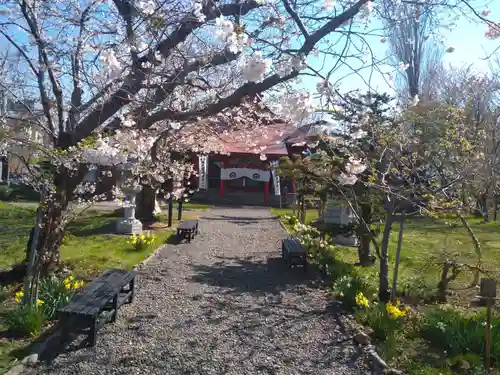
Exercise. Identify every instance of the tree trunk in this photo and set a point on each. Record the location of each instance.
(383, 287)
(146, 204)
(366, 257)
(477, 248)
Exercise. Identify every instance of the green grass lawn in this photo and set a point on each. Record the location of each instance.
(187, 206)
(425, 242)
(90, 247)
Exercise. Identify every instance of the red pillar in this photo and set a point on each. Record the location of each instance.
(293, 186)
(221, 189)
(266, 190)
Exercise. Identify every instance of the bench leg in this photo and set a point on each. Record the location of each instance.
(115, 309)
(65, 329)
(132, 290)
(92, 339)
(188, 232)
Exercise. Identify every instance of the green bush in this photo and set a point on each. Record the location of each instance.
(26, 320)
(56, 292)
(459, 333)
(387, 321)
(4, 292)
(142, 241)
(347, 287)
(5, 193)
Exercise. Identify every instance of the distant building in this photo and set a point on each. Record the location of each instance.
(21, 119)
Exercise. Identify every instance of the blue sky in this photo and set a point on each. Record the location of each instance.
(468, 39)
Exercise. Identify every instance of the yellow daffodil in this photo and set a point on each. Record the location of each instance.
(39, 302)
(78, 284)
(395, 311)
(19, 296)
(67, 285)
(361, 300)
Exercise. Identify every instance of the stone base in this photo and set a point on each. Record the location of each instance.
(345, 241)
(129, 226)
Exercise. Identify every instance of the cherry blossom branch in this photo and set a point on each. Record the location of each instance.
(250, 89)
(76, 95)
(44, 60)
(132, 83)
(296, 18)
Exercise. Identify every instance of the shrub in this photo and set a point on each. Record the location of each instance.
(4, 292)
(459, 333)
(291, 220)
(142, 241)
(347, 288)
(5, 193)
(386, 320)
(26, 320)
(56, 292)
(67, 238)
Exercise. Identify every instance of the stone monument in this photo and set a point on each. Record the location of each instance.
(129, 224)
(339, 213)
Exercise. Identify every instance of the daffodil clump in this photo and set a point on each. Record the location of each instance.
(70, 283)
(395, 310)
(20, 295)
(361, 300)
(141, 241)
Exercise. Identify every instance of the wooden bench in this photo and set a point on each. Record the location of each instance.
(187, 229)
(293, 252)
(97, 304)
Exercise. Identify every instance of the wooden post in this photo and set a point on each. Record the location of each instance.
(179, 210)
(487, 336)
(398, 257)
(488, 292)
(170, 209)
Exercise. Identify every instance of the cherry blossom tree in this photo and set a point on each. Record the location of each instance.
(114, 78)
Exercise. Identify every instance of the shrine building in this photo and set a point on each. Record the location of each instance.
(240, 175)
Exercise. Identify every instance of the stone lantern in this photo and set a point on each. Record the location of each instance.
(129, 224)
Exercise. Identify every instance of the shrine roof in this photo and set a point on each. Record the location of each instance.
(270, 139)
(249, 130)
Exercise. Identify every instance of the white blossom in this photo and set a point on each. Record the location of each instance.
(110, 63)
(290, 64)
(236, 42)
(147, 7)
(297, 107)
(403, 65)
(197, 12)
(128, 123)
(355, 166)
(256, 67)
(493, 31)
(224, 28)
(358, 134)
(366, 9)
(345, 179)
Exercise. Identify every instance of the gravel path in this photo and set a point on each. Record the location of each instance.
(224, 304)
